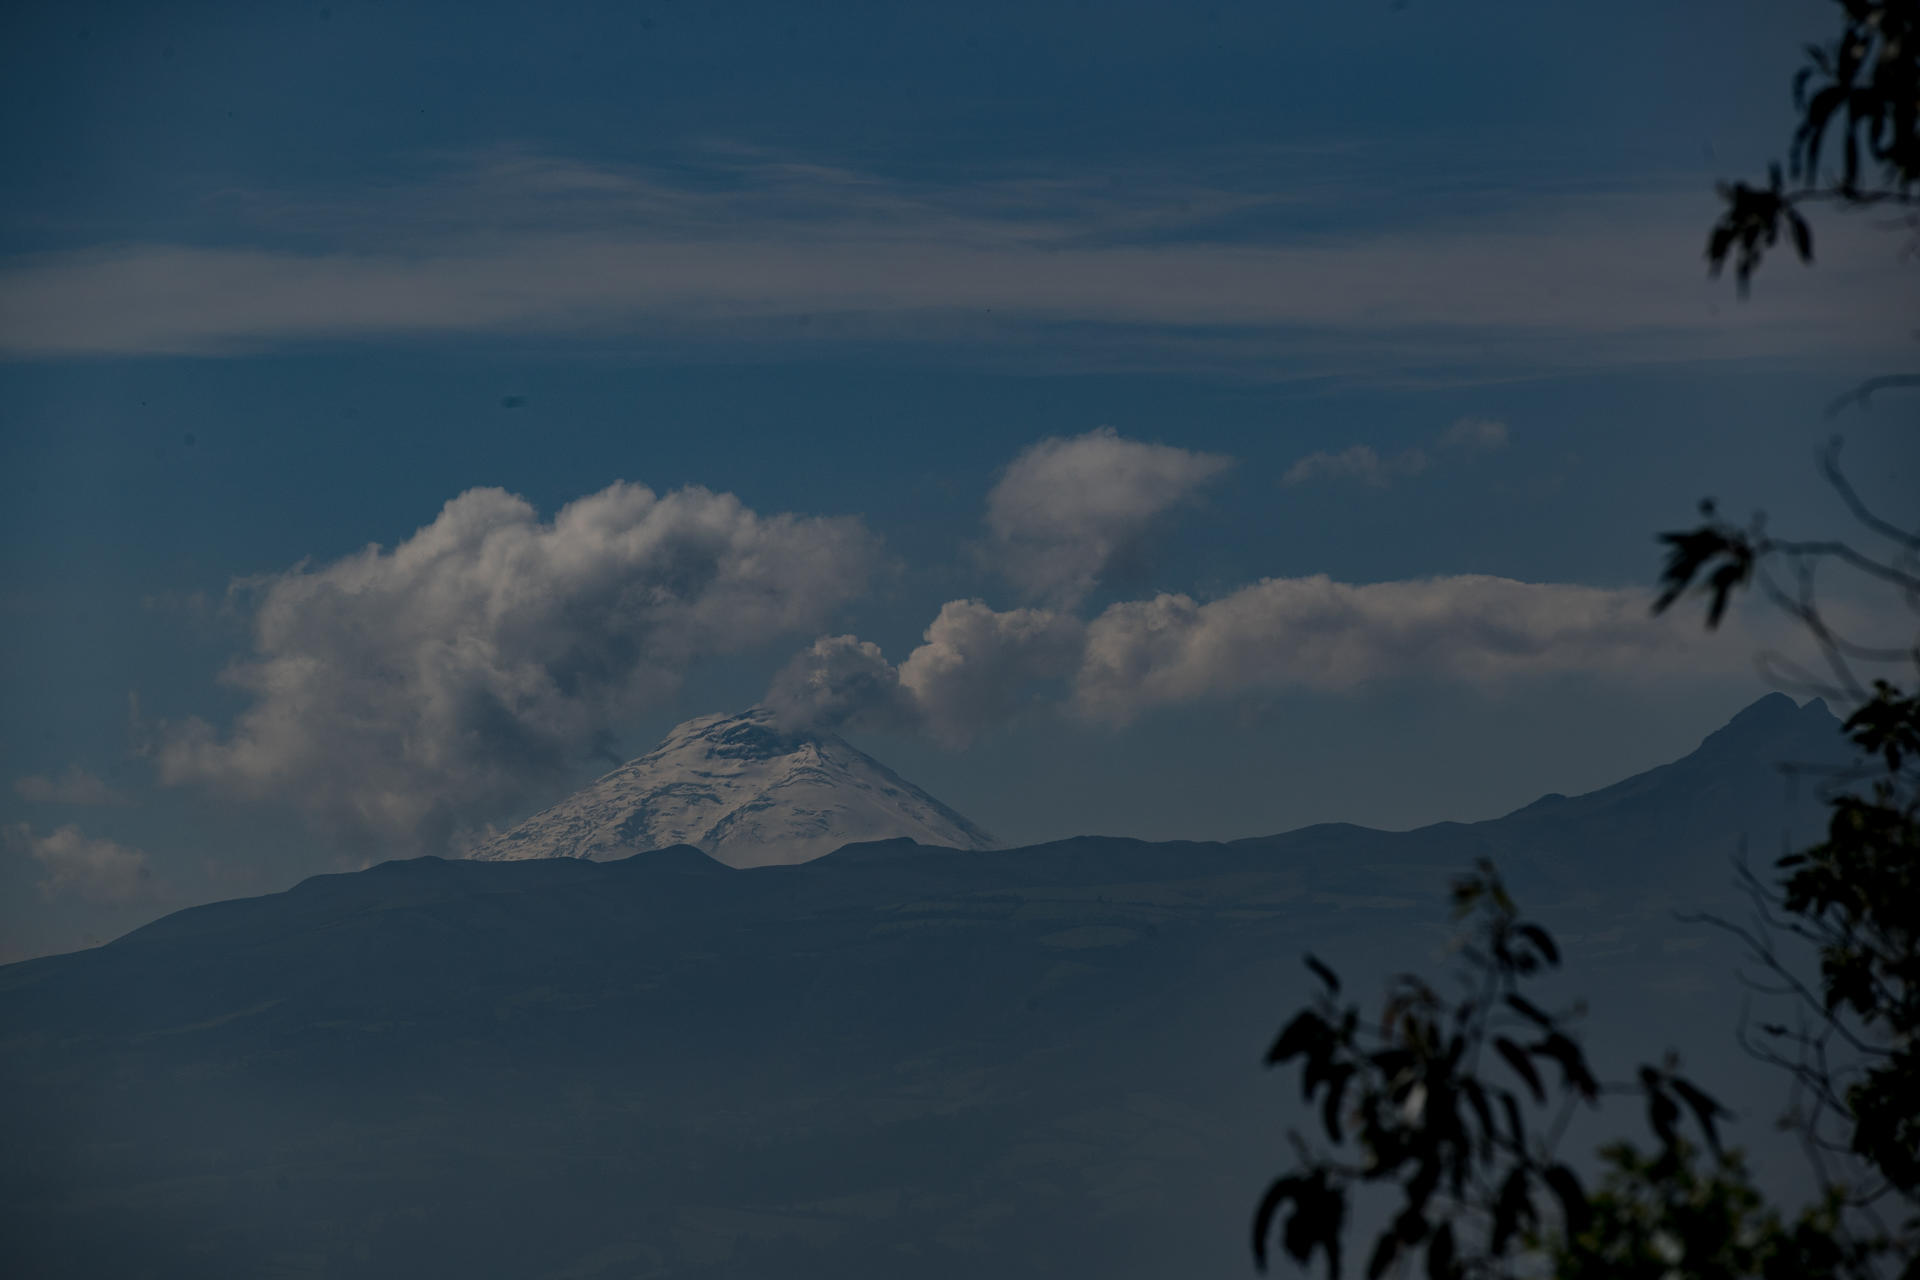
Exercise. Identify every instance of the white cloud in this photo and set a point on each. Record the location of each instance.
(97, 870)
(976, 666)
(76, 786)
(1066, 508)
(1315, 633)
(1357, 462)
(410, 694)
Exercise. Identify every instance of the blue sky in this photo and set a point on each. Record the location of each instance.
(1097, 316)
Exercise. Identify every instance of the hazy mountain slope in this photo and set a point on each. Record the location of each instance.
(744, 790)
(1752, 787)
(894, 1060)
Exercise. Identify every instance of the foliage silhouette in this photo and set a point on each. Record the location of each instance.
(1854, 897)
(1860, 93)
(1444, 1099)
(1459, 1104)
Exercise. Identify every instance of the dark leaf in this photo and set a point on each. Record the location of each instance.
(1425, 1181)
(1330, 1105)
(1690, 553)
(1477, 1099)
(1517, 1059)
(1307, 1030)
(1721, 584)
(1814, 127)
(1573, 1200)
(1515, 1128)
(1325, 974)
(1440, 1264)
(1391, 1062)
(1705, 1109)
(1662, 1111)
(1573, 1064)
(1542, 940)
(1802, 236)
(1718, 243)
(1530, 1011)
(1384, 1253)
(1510, 1210)
(1282, 1190)
(1319, 1214)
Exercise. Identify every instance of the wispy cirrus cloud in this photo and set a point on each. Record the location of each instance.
(762, 251)
(1360, 462)
(75, 786)
(1476, 434)
(1364, 463)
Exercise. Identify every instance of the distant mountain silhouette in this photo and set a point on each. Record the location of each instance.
(1753, 786)
(897, 1059)
(748, 792)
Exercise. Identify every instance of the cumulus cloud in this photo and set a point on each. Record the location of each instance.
(405, 695)
(838, 681)
(1315, 633)
(1065, 509)
(76, 786)
(97, 870)
(974, 668)
(977, 667)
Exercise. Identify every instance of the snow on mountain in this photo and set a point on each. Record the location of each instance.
(745, 791)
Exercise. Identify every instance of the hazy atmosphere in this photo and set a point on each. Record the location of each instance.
(1189, 439)
(1179, 423)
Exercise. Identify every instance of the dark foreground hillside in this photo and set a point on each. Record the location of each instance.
(892, 1061)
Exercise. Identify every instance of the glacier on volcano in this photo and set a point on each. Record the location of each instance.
(744, 790)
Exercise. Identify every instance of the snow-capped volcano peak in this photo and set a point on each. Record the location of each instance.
(747, 792)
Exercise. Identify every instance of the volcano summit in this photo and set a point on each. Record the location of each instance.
(744, 790)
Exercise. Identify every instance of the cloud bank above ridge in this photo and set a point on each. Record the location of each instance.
(404, 697)
(1055, 522)
(976, 667)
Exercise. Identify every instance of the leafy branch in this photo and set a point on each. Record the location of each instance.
(1860, 93)
(1406, 1102)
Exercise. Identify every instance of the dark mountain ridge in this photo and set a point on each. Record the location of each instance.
(895, 1058)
